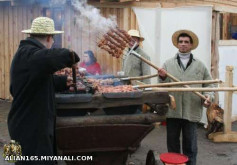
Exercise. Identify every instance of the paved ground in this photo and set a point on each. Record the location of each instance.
(209, 153)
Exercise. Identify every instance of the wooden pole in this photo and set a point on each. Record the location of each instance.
(168, 75)
(228, 99)
(178, 83)
(194, 89)
(140, 77)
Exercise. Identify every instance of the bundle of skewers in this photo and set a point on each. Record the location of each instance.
(115, 41)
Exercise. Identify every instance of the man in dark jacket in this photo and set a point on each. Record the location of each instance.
(31, 120)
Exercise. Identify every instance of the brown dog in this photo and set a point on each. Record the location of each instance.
(215, 119)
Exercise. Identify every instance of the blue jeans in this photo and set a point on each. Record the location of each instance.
(189, 133)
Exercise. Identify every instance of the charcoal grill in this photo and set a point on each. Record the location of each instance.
(108, 137)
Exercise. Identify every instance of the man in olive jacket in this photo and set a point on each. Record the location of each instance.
(133, 66)
(186, 67)
(31, 121)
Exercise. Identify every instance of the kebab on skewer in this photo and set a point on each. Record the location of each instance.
(115, 41)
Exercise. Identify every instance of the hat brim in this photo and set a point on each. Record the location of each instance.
(44, 33)
(190, 33)
(141, 38)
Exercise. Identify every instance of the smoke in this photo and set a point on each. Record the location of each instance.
(96, 20)
(84, 11)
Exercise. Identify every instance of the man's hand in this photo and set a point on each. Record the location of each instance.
(162, 73)
(69, 81)
(207, 102)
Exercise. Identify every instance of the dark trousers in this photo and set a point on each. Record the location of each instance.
(189, 138)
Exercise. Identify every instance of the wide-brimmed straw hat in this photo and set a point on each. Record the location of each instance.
(135, 33)
(42, 26)
(188, 32)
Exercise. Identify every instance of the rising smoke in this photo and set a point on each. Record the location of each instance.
(84, 11)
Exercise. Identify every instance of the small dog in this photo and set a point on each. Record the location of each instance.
(215, 119)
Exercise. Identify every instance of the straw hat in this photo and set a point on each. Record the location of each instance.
(135, 33)
(42, 26)
(190, 33)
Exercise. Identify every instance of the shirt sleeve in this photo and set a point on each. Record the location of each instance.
(48, 61)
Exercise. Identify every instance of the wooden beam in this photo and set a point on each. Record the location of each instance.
(114, 119)
(227, 9)
(152, 4)
(214, 48)
(110, 4)
(228, 42)
(222, 137)
(225, 30)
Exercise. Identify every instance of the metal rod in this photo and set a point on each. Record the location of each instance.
(178, 83)
(74, 75)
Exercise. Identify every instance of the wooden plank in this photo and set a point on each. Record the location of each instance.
(1, 54)
(223, 137)
(11, 45)
(6, 53)
(226, 19)
(11, 37)
(101, 54)
(234, 19)
(126, 19)
(120, 24)
(108, 56)
(15, 29)
(24, 20)
(20, 23)
(113, 60)
(133, 20)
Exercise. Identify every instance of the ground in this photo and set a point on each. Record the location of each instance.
(209, 153)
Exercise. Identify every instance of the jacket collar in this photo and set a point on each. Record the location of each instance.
(31, 41)
(180, 63)
(193, 58)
